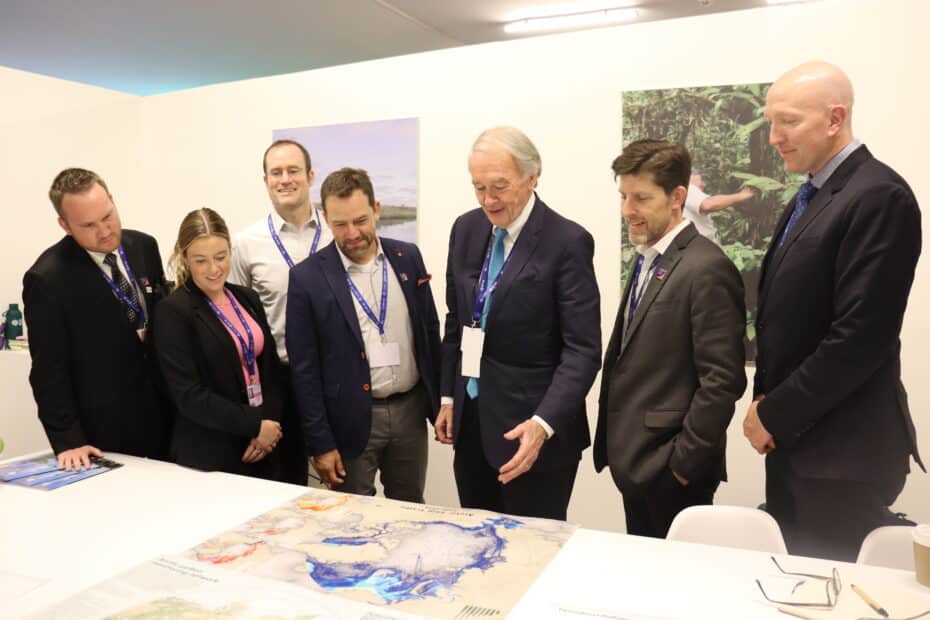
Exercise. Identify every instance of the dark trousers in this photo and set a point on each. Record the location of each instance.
(293, 464)
(652, 513)
(826, 518)
(533, 494)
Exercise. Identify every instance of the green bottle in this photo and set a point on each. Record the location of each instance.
(13, 322)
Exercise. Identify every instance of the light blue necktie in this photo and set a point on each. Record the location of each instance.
(805, 194)
(494, 268)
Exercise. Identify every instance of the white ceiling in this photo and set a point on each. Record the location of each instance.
(153, 46)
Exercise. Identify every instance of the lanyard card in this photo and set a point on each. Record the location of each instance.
(472, 346)
(381, 354)
(254, 390)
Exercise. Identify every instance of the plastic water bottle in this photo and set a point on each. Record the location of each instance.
(13, 321)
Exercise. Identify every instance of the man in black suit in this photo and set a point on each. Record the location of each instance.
(522, 338)
(674, 367)
(363, 339)
(88, 300)
(829, 409)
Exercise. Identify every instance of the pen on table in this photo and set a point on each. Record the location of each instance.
(795, 613)
(871, 602)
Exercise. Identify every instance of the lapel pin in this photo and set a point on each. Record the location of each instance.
(403, 277)
(661, 273)
(400, 252)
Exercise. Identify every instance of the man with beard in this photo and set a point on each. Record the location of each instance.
(363, 340)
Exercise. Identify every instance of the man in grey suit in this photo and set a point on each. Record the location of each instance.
(674, 367)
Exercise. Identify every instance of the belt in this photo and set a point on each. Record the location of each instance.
(396, 396)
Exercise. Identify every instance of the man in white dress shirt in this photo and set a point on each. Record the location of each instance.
(262, 257)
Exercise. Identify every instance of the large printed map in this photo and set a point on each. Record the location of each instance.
(424, 560)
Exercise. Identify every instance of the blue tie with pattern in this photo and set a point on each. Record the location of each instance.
(494, 268)
(805, 194)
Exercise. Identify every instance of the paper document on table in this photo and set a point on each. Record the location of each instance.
(42, 472)
(174, 588)
(582, 613)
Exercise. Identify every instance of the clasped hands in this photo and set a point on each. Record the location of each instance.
(261, 445)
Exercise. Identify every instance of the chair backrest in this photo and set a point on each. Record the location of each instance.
(891, 546)
(728, 526)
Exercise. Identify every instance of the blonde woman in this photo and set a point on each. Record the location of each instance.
(218, 357)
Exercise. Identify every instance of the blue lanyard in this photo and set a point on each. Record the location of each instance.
(634, 298)
(136, 307)
(379, 322)
(248, 350)
(277, 240)
(484, 289)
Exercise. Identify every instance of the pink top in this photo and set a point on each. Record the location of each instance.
(258, 335)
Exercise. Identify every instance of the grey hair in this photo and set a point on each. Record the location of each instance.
(513, 141)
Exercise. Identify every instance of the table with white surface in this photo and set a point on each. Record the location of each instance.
(54, 544)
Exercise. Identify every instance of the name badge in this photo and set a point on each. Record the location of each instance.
(384, 354)
(254, 391)
(472, 345)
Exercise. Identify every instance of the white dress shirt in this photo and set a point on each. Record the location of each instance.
(385, 380)
(258, 264)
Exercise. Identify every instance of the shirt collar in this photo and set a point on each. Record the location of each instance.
(97, 257)
(830, 167)
(355, 267)
(280, 224)
(661, 246)
(514, 228)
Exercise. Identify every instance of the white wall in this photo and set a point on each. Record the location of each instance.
(203, 147)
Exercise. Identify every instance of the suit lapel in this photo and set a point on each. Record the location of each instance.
(818, 204)
(519, 255)
(473, 263)
(405, 272)
(89, 277)
(616, 337)
(657, 280)
(335, 274)
(216, 328)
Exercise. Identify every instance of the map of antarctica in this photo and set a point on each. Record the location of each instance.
(423, 560)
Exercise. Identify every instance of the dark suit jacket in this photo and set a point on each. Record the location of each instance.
(831, 303)
(668, 396)
(329, 368)
(93, 380)
(199, 359)
(542, 345)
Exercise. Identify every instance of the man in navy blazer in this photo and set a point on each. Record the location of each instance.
(520, 278)
(829, 409)
(363, 340)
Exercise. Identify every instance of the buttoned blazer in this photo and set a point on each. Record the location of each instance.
(671, 382)
(93, 380)
(542, 343)
(831, 304)
(201, 364)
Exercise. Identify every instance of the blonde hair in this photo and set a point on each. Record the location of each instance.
(197, 224)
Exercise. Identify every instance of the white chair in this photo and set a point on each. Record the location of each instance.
(891, 546)
(728, 526)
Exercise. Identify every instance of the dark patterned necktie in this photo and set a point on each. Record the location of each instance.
(805, 195)
(123, 284)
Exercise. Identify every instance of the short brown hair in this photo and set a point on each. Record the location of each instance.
(278, 143)
(198, 223)
(669, 163)
(73, 181)
(345, 181)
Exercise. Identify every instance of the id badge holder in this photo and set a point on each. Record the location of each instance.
(472, 346)
(254, 391)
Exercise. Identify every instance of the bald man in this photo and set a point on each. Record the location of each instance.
(829, 409)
